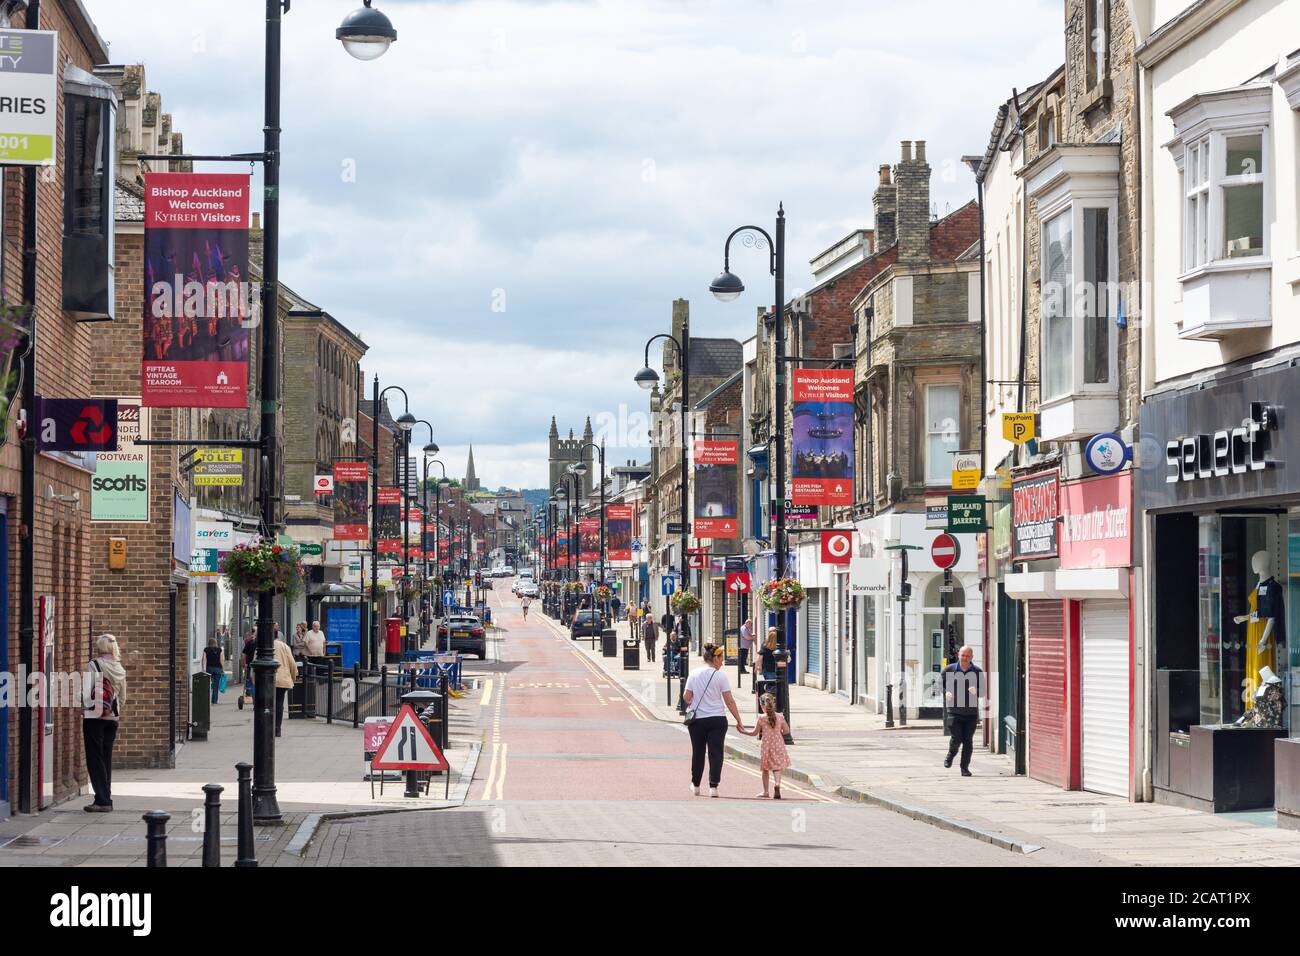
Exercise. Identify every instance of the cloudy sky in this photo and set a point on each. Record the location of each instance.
(505, 205)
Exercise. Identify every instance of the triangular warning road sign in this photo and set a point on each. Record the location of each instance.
(408, 746)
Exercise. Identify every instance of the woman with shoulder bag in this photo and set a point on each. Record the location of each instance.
(107, 693)
(708, 691)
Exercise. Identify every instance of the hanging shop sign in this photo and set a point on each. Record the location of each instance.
(323, 484)
(936, 514)
(351, 481)
(822, 437)
(1107, 453)
(1034, 510)
(1097, 522)
(965, 470)
(618, 533)
(1018, 427)
(716, 489)
(219, 467)
(868, 576)
(837, 547)
(197, 297)
(388, 520)
(119, 489)
(29, 108)
(966, 513)
(76, 424)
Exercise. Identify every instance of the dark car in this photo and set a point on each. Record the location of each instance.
(467, 635)
(585, 623)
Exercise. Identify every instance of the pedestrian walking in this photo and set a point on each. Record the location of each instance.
(214, 662)
(525, 604)
(107, 694)
(649, 634)
(614, 605)
(771, 730)
(746, 642)
(668, 622)
(708, 692)
(246, 656)
(285, 675)
(961, 696)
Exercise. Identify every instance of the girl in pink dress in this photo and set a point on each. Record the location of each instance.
(771, 729)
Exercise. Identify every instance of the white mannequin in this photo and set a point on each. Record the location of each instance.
(1262, 565)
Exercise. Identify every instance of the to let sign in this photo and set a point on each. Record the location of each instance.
(1035, 505)
(29, 108)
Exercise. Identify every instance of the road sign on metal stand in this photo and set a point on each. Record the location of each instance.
(408, 746)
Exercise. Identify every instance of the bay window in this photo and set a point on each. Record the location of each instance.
(1076, 188)
(1222, 154)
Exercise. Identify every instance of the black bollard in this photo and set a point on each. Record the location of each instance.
(212, 824)
(245, 855)
(155, 822)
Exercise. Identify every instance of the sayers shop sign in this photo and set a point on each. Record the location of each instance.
(1221, 444)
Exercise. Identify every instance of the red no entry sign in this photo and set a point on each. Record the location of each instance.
(944, 551)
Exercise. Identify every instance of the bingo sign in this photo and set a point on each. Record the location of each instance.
(1035, 505)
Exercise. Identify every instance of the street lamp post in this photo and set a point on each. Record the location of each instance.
(430, 449)
(647, 378)
(726, 288)
(405, 423)
(580, 468)
(437, 520)
(377, 36)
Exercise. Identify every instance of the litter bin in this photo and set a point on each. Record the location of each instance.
(200, 705)
(609, 642)
(632, 655)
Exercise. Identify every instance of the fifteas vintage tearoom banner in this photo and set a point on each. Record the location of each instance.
(197, 298)
(351, 482)
(822, 456)
(618, 532)
(715, 510)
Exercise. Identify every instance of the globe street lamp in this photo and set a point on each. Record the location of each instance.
(580, 468)
(404, 424)
(366, 33)
(647, 378)
(726, 287)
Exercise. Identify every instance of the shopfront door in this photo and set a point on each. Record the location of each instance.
(1047, 692)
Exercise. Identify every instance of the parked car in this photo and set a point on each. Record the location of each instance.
(467, 634)
(585, 623)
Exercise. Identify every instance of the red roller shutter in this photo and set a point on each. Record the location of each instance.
(1047, 697)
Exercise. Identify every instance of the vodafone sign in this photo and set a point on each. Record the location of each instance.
(837, 547)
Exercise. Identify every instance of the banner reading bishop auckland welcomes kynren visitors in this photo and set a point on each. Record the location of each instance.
(196, 291)
(823, 437)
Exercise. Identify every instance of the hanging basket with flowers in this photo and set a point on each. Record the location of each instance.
(603, 593)
(573, 587)
(684, 602)
(782, 594)
(263, 565)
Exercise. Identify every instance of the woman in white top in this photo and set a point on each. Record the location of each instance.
(707, 691)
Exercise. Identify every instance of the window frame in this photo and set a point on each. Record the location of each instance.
(944, 479)
(1215, 118)
(1079, 315)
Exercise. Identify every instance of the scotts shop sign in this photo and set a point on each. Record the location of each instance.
(1229, 451)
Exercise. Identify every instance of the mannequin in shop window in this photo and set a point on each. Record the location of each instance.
(1269, 702)
(1265, 625)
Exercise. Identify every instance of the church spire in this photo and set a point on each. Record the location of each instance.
(471, 479)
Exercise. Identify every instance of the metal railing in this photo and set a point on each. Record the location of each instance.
(348, 695)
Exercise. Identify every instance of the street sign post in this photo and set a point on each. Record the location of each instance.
(667, 584)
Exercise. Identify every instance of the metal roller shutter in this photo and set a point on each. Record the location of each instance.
(816, 619)
(1047, 692)
(1105, 703)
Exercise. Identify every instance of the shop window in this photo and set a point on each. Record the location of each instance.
(1078, 350)
(942, 432)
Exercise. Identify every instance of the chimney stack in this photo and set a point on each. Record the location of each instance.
(912, 180)
(885, 202)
